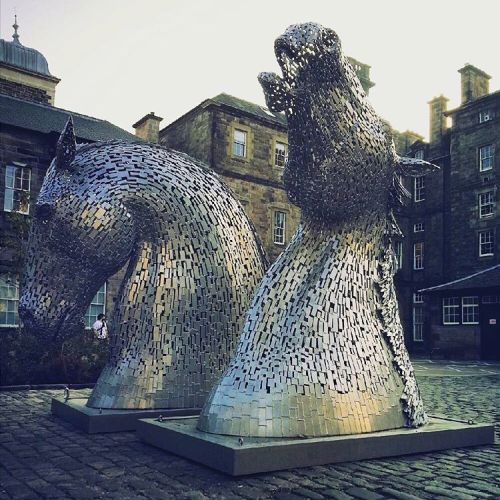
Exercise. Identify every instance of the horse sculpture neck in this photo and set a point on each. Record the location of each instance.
(317, 342)
(191, 274)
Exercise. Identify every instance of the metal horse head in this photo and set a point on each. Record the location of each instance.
(341, 153)
(79, 237)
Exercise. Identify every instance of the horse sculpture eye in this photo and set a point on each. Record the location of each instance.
(44, 212)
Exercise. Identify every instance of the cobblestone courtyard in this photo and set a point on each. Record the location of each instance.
(43, 457)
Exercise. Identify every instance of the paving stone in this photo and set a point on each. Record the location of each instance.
(307, 493)
(400, 495)
(337, 495)
(150, 474)
(363, 493)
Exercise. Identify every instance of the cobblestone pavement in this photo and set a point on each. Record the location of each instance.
(43, 457)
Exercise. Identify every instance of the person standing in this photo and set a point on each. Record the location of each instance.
(100, 327)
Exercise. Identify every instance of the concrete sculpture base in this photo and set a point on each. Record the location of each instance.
(94, 421)
(237, 457)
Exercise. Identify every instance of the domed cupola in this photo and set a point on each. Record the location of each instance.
(24, 72)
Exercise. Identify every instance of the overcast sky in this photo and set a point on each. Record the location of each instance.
(120, 59)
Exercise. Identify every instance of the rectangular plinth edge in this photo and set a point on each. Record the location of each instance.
(250, 456)
(94, 421)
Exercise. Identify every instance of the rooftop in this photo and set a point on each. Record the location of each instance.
(15, 54)
(238, 105)
(249, 107)
(46, 119)
(487, 278)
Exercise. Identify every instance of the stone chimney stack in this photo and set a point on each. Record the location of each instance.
(363, 72)
(437, 118)
(148, 127)
(474, 82)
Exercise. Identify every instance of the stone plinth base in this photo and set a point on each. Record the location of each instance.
(93, 421)
(241, 456)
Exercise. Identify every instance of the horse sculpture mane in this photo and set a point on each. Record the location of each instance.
(322, 350)
(193, 264)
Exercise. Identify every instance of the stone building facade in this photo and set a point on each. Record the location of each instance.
(247, 145)
(451, 230)
(30, 125)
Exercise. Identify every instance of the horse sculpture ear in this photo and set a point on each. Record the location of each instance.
(413, 167)
(66, 146)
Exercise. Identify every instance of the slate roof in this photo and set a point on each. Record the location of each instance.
(250, 108)
(46, 119)
(487, 278)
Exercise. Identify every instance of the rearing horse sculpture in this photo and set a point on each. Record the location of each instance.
(322, 350)
(194, 263)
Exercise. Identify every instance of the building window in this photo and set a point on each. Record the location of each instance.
(418, 323)
(418, 255)
(418, 227)
(97, 306)
(419, 154)
(419, 188)
(486, 243)
(470, 310)
(486, 204)
(239, 143)
(485, 116)
(280, 154)
(9, 300)
(485, 158)
(451, 311)
(17, 189)
(418, 298)
(279, 223)
(491, 299)
(398, 251)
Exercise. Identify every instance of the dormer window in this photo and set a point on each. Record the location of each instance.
(419, 154)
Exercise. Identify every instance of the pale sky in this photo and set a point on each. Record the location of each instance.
(120, 59)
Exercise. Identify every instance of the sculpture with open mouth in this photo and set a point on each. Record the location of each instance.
(322, 349)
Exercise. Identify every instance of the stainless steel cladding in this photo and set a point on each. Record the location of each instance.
(193, 265)
(322, 350)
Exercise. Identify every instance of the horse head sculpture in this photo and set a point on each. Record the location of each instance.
(341, 153)
(322, 349)
(75, 244)
(193, 264)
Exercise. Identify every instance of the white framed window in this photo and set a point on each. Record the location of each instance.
(17, 189)
(419, 154)
(280, 154)
(491, 299)
(485, 116)
(398, 251)
(239, 143)
(418, 227)
(486, 204)
(418, 323)
(486, 157)
(486, 243)
(97, 306)
(451, 310)
(419, 188)
(279, 225)
(470, 310)
(418, 298)
(9, 300)
(418, 255)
